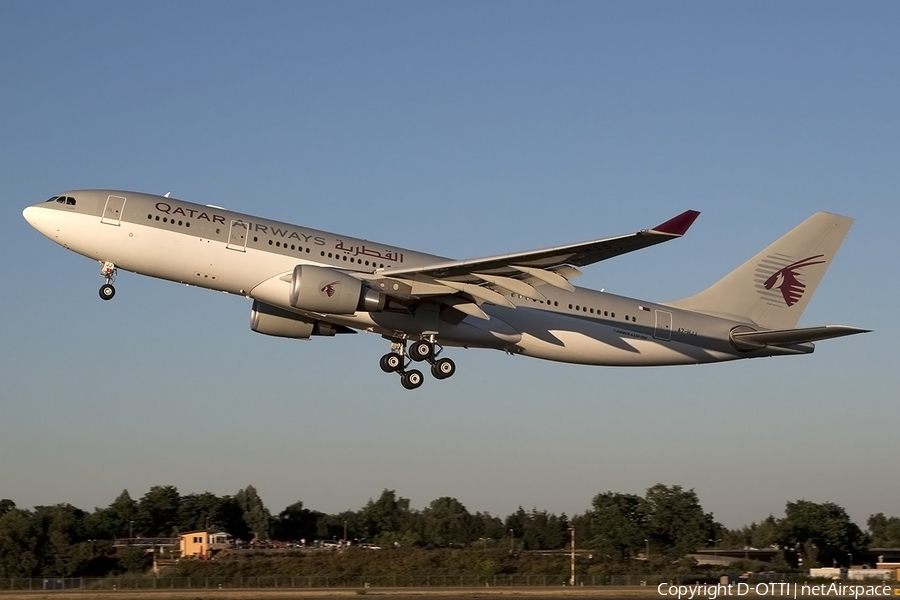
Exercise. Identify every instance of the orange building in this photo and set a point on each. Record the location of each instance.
(203, 544)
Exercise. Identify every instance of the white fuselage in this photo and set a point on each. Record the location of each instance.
(221, 250)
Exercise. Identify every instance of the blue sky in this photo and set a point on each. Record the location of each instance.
(462, 129)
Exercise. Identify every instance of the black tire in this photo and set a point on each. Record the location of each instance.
(443, 368)
(107, 291)
(412, 379)
(391, 362)
(421, 350)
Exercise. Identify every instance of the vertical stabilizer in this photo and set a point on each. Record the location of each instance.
(773, 288)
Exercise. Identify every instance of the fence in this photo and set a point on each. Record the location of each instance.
(362, 581)
(296, 582)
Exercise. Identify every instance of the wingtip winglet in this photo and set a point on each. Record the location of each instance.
(678, 225)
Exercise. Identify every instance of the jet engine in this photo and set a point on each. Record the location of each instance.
(319, 289)
(270, 320)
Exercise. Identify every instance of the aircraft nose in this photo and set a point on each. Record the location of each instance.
(31, 214)
(34, 214)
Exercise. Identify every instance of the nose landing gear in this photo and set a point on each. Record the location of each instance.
(108, 272)
(399, 358)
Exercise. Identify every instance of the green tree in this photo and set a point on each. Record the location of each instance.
(826, 526)
(6, 505)
(884, 531)
(337, 526)
(255, 513)
(295, 523)
(488, 527)
(230, 518)
(675, 520)
(446, 522)
(135, 560)
(388, 514)
(199, 512)
(115, 521)
(765, 534)
(617, 524)
(62, 544)
(538, 530)
(157, 512)
(18, 542)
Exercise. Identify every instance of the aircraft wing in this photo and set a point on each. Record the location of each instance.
(519, 272)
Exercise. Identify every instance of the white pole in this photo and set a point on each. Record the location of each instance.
(572, 578)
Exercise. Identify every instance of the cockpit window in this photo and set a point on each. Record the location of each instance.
(67, 200)
(70, 201)
(53, 199)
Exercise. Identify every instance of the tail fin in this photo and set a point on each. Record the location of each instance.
(773, 288)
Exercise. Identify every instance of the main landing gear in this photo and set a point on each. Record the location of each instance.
(108, 272)
(398, 359)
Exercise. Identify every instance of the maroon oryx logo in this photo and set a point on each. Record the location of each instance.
(785, 279)
(328, 288)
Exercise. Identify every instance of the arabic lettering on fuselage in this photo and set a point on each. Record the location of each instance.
(362, 249)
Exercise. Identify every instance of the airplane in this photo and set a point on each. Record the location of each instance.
(305, 282)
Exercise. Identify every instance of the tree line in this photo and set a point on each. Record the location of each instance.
(663, 525)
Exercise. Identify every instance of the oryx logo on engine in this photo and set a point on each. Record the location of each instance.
(329, 289)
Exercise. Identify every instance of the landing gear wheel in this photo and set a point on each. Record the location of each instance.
(421, 350)
(107, 291)
(391, 362)
(412, 379)
(443, 368)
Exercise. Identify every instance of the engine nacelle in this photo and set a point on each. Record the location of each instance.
(318, 289)
(270, 320)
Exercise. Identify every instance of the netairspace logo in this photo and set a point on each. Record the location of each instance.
(782, 590)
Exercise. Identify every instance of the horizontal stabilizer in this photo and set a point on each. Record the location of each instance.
(753, 340)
